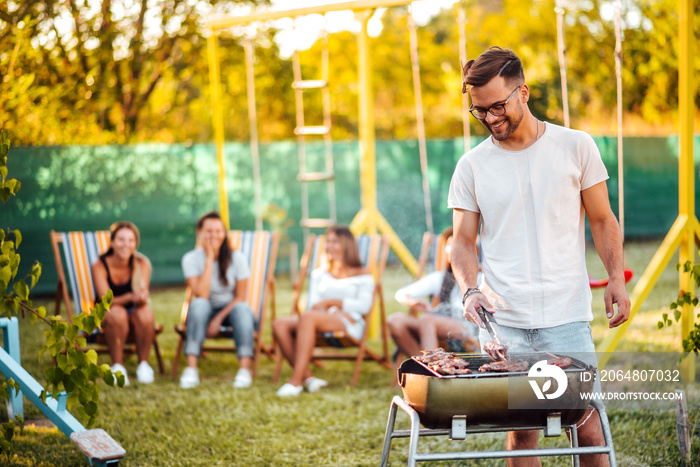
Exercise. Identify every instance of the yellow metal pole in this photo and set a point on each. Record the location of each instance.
(686, 175)
(218, 123)
(357, 5)
(368, 168)
(369, 219)
(644, 286)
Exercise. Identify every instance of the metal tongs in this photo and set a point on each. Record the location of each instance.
(498, 351)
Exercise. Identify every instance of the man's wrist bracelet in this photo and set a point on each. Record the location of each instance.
(470, 291)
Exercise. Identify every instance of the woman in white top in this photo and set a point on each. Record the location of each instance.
(413, 333)
(339, 295)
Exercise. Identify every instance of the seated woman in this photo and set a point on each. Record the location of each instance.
(339, 295)
(218, 279)
(127, 273)
(413, 333)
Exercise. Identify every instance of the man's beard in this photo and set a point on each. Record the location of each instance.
(511, 123)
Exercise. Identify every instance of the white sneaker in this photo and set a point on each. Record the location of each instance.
(189, 378)
(117, 367)
(144, 373)
(243, 379)
(313, 384)
(289, 389)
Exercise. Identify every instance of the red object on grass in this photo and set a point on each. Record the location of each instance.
(596, 283)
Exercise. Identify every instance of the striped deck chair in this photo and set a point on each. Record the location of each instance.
(80, 250)
(260, 250)
(373, 254)
(433, 250)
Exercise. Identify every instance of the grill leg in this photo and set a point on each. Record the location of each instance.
(574, 444)
(605, 425)
(389, 430)
(398, 403)
(415, 429)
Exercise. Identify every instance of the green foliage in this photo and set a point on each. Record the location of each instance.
(73, 370)
(78, 70)
(7, 187)
(692, 342)
(9, 428)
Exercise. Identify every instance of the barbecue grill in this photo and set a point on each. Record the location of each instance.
(456, 405)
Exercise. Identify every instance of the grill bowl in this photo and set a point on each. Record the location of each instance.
(489, 400)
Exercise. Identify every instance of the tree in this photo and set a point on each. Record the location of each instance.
(107, 57)
(79, 71)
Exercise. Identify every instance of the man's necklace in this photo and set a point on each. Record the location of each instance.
(537, 136)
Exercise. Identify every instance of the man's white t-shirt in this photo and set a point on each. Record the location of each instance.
(533, 226)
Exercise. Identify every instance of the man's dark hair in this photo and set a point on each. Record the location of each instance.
(494, 62)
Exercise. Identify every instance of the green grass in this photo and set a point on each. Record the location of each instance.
(215, 424)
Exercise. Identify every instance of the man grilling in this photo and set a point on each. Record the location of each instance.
(529, 185)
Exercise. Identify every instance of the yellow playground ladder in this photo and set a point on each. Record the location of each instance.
(302, 131)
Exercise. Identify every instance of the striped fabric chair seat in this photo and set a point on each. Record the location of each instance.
(373, 251)
(79, 250)
(259, 248)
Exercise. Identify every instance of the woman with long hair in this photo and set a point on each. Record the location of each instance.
(339, 295)
(127, 273)
(218, 279)
(425, 325)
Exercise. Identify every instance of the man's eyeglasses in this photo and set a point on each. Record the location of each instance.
(496, 110)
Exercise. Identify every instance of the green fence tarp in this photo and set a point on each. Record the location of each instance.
(164, 188)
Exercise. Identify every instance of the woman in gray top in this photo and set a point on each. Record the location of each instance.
(218, 279)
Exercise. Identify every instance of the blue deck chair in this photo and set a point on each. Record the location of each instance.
(260, 250)
(80, 250)
(374, 251)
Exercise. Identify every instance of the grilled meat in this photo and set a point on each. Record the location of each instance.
(445, 363)
(451, 370)
(496, 351)
(561, 362)
(429, 356)
(505, 366)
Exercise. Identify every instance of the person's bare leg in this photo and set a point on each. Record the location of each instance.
(427, 329)
(115, 327)
(191, 361)
(245, 362)
(449, 328)
(404, 331)
(310, 323)
(284, 330)
(142, 323)
(522, 440)
(591, 434)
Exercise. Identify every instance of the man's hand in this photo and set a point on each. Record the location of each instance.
(473, 302)
(616, 293)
